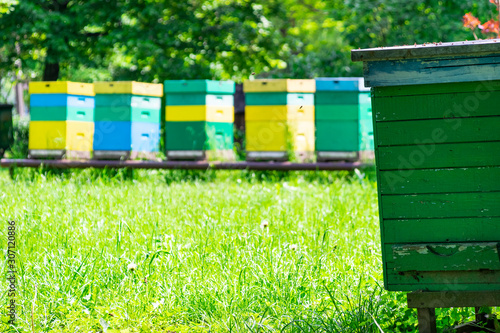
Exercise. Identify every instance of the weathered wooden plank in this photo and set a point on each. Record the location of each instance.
(482, 179)
(451, 280)
(429, 71)
(441, 287)
(426, 320)
(447, 299)
(441, 106)
(462, 229)
(436, 131)
(467, 48)
(455, 155)
(441, 205)
(442, 257)
(479, 87)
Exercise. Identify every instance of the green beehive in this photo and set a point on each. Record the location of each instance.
(437, 147)
(199, 117)
(343, 119)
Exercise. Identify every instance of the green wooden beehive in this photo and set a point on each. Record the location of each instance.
(343, 119)
(199, 117)
(437, 146)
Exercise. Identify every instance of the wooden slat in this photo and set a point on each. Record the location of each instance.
(449, 106)
(476, 48)
(447, 299)
(453, 280)
(439, 156)
(438, 131)
(441, 287)
(442, 257)
(441, 205)
(440, 180)
(472, 229)
(426, 320)
(438, 88)
(188, 165)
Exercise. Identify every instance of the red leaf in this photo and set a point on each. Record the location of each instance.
(470, 21)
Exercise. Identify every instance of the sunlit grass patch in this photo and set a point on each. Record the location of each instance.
(174, 251)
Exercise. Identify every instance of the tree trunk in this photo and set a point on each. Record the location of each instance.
(51, 71)
(20, 99)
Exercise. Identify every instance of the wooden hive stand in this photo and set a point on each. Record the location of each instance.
(427, 302)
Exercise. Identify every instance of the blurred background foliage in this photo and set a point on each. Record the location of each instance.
(154, 40)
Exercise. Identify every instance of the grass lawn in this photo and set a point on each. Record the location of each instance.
(219, 252)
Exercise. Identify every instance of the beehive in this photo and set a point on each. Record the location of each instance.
(343, 119)
(279, 118)
(127, 119)
(436, 122)
(199, 118)
(62, 119)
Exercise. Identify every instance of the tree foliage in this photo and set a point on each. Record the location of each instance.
(6, 5)
(57, 33)
(196, 39)
(150, 40)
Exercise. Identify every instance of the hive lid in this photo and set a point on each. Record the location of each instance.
(475, 61)
(199, 86)
(279, 85)
(341, 84)
(129, 87)
(61, 87)
(429, 50)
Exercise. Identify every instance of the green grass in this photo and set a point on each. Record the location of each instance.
(206, 261)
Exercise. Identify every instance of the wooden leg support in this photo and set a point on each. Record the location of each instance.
(479, 316)
(426, 320)
(426, 302)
